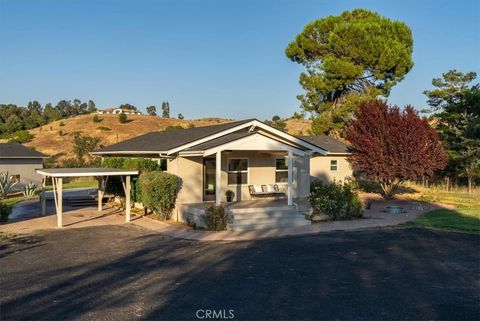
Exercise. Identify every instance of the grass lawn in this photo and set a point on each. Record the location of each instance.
(92, 184)
(465, 216)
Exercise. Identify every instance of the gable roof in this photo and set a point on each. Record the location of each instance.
(156, 142)
(173, 142)
(328, 143)
(16, 150)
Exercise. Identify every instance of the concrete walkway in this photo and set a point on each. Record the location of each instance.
(89, 216)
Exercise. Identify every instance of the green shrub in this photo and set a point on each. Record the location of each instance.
(172, 128)
(6, 184)
(159, 192)
(216, 218)
(339, 201)
(104, 129)
(5, 211)
(22, 136)
(29, 190)
(61, 124)
(114, 183)
(122, 118)
(96, 119)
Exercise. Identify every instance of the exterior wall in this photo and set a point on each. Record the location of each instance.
(25, 167)
(190, 172)
(320, 168)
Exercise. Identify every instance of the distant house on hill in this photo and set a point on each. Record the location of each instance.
(117, 111)
(21, 162)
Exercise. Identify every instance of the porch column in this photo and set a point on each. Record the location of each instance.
(58, 197)
(127, 199)
(218, 178)
(101, 189)
(43, 196)
(290, 178)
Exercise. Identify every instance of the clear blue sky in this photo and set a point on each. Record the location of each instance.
(207, 58)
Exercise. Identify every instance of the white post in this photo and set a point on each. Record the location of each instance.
(59, 201)
(218, 178)
(290, 177)
(43, 196)
(127, 200)
(100, 192)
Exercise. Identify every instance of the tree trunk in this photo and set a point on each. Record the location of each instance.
(470, 183)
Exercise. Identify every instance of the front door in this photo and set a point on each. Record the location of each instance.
(209, 179)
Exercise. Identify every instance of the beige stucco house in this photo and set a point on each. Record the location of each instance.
(21, 162)
(249, 158)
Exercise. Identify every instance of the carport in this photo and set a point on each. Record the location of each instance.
(100, 174)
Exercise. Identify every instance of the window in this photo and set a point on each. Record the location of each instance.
(281, 170)
(237, 171)
(163, 164)
(333, 165)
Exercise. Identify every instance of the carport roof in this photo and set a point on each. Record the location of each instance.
(82, 172)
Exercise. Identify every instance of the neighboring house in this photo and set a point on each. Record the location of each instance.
(21, 162)
(249, 153)
(334, 166)
(117, 111)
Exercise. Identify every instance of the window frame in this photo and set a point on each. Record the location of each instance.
(280, 170)
(336, 165)
(233, 172)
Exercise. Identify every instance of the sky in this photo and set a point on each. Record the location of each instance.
(209, 58)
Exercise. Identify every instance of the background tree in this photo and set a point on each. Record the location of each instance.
(127, 106)
(91, 107)
(459, 127)
(152, 110)
(13, 124)
(392, 146)
(349, 57)
(449, 89)
(122, 118)
(277, 123)
(51, 114)
(165, 109)
(180, 116)
(83, 145)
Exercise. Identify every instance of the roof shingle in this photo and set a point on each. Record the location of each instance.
(328, 143)
(16, 150)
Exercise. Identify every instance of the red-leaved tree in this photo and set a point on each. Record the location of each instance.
(392, 146)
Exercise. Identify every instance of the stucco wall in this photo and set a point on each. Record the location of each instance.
(320, 168)
(25, 167)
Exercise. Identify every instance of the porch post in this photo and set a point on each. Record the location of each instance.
(59, 202)
(100, 192)
(290, 178)
(218, 178)
(44, 201)
(127, 199)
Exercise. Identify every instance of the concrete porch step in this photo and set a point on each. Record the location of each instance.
(258, 226)
(290, 217)
(250, 210)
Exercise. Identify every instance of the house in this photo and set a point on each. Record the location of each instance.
(21, 162)
(248, 157)
(116, 111)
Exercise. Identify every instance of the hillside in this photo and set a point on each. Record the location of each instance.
(56, 140)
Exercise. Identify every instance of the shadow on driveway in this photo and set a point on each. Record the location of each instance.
(125, 273)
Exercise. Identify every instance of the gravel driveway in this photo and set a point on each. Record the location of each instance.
(126, 273)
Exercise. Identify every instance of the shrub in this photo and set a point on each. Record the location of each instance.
(103, 128)
(5, 211)
(159, 192)
(172, 128)
(61, 124)
(339, 201)
(21, 137)
(6, 184)
(96, 119)
(122, 118)
(216, 218)
(30, 190)
(114, 184)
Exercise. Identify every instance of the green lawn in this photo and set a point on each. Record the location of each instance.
(92, 184)
(465, 216)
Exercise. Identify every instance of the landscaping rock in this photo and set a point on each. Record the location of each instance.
(319, 217)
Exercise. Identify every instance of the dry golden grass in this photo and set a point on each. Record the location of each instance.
(56, 140)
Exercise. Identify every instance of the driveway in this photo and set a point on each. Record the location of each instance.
(127, 273)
